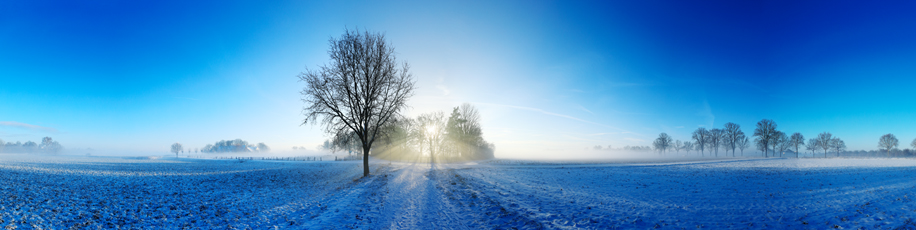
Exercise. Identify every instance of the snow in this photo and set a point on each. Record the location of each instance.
(172, 193)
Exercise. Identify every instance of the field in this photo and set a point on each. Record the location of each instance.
(133, 193)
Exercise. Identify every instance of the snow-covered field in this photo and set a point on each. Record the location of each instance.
(109, 192)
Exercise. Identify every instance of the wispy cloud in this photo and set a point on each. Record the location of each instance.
(20, 125)
(584, 109)
(554, 114)
(706, 112)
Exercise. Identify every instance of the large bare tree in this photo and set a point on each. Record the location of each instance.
(888, 142)
(362, 89)
(765, 131)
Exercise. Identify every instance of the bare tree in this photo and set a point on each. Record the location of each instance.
(662, 142)
(176, 148)
(715, 140)
(824, 142)
(743, 143)
(678, 146)
(888, 142)
(765, 131)
(913, 144)
(813, 146)
(700, 137)
(837, 145)
(732, 132)
(797, 140)
(688, 146)
(432, 125)
(781, 143)
(361, 90)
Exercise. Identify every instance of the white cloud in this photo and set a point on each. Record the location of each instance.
(20, 125)
(584, 109)
(706, 112)
(554, 114)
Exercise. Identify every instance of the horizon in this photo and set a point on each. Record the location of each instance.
(548, 78)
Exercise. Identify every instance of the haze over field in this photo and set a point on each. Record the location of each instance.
(550, 79)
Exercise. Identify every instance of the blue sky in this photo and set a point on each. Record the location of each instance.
(549, 77)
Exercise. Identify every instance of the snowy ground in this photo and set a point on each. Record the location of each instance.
(93, 192)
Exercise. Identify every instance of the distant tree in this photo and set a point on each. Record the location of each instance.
(662, 142)
(913, 144)
(837, 145)
(887, 142)
(2, 145)
(700, 137)
(732, 132)
(263, 147)
(782, 143)
(464, 133)
(797, 140)
(176, 148)
(743, 143)
(775, 141)
(812, 146)
(49, 146)
(432, 129)
(29, 146)
(824, 141)
(688, 146)
(360, 91)
(237, 145)
(715, 140)
(766, 130)
(13, 147)
(678, 146)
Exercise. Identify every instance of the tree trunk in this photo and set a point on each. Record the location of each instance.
(365, 160)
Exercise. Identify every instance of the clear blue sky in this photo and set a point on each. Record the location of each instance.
(550, 77)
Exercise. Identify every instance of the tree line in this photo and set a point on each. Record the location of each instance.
(223, 146)
(457, 137)
(767, 139)
(47, 145)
